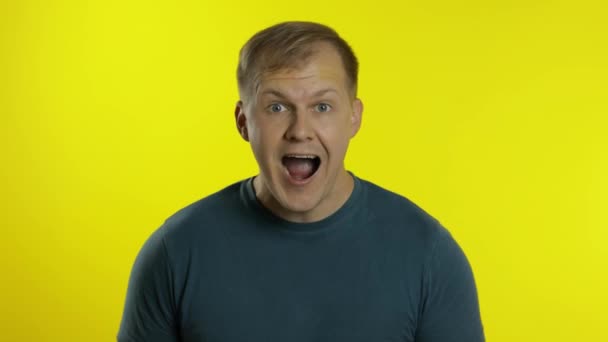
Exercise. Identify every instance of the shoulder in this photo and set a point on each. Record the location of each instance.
(394, 211)
(207, 207)
(196, 221)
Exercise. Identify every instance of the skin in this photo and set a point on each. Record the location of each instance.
(308, 110)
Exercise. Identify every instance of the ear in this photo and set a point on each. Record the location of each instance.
(356, 116)
(241, 120)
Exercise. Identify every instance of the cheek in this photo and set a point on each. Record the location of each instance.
(335, 140)
(269, 127)
(264, 142)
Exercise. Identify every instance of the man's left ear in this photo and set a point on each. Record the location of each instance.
(355, 118)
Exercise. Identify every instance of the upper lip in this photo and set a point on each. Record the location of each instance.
(301, 155)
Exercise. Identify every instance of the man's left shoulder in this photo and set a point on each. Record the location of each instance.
(394, 211)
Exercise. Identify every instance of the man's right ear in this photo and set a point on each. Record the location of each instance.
(241, 120)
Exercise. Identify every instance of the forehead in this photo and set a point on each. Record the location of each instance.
(323, 69)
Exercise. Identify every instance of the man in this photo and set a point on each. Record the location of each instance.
(304, 251)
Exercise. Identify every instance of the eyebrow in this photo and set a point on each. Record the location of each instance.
(324, 91)
(281, 95)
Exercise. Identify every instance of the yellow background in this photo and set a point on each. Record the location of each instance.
(491, 115)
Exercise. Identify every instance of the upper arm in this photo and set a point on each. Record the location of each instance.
(149, 310)
(449, 304)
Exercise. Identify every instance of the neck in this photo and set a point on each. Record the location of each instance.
(331, 200)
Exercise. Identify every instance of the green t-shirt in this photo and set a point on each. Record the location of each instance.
(225, 269)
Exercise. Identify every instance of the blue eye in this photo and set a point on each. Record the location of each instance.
(276, 108)
(323, 107)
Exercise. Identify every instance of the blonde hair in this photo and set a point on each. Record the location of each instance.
(289, 45)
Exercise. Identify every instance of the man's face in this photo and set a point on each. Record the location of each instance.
(299, 123)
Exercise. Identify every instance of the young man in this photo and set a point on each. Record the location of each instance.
(304, 251)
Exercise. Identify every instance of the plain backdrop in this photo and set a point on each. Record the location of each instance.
(491, 115)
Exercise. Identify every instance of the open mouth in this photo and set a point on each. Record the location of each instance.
(301, 166)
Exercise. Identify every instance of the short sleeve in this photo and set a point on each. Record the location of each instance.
(449, 309)
(149, 310)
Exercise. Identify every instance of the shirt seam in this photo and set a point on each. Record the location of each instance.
(171, 279)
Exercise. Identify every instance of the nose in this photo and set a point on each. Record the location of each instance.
(300, 128)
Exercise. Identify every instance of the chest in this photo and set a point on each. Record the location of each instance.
(301, 294)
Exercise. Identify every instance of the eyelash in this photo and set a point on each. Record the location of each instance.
(275, 104)
(329, 107)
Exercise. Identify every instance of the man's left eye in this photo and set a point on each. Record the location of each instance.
(323, 107)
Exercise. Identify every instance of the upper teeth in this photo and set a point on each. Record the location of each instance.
(308, 156)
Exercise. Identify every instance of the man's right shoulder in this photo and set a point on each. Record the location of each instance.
(206, 213)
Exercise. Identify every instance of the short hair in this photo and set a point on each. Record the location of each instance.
(290, 45)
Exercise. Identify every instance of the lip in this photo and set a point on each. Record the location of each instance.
(301, 154)
(302, 182)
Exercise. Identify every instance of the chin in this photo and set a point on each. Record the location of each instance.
(303, 207)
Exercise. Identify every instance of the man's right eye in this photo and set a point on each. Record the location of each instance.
(276, 108)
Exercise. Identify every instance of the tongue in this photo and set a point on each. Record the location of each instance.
(299, 168)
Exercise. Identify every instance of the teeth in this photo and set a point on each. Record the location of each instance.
(307, 156)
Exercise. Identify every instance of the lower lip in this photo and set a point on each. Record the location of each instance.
(298, 182)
